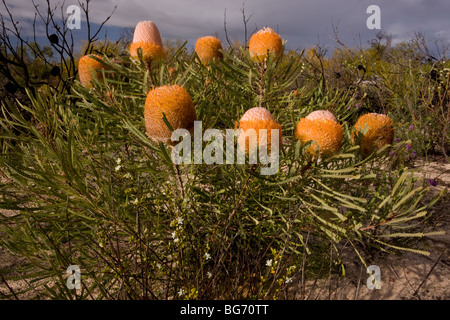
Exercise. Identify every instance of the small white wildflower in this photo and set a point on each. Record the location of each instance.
(118, 160)
(288, 280)
(117, 168)
(269, 263)
(128, 175)
(209, 274)
(176, 240)
(180, 220)
(181, 292)
(207, 256)
(135, 201)
(158, 265)
(174, 235)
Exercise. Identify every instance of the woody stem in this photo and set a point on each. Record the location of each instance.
(148, 65)
(261, 84)
(180, 181)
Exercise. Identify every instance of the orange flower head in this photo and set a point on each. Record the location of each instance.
(176, 103)
(147, 37)
(88, 68)
(263, 43)
(257, 118)
(380, 132)
(326, 134)
(208, 49)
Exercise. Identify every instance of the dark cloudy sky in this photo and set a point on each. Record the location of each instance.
(302, 23)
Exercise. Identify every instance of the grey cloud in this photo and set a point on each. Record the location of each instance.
(303, 23)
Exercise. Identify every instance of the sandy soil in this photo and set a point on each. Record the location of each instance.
(407, 276)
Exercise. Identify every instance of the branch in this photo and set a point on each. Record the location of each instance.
(245, 20)
(225, 27)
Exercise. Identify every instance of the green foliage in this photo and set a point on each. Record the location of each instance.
(88, 188)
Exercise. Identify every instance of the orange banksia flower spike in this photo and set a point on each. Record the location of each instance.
(257, 118)
(208, 49)
(264, 43)
(176, 104)
(380, 132)
(148, 39)
(322, 128)
(88, 68)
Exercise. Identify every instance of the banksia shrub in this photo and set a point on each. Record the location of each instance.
(82, 185)
(322, 128)
(176, 104)
(264, 43)
(380, 132)
(147, 37)
(88, 68)
(257, 118)
(208, 49)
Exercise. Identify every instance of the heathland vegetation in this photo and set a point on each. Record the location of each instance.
(87, 177)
